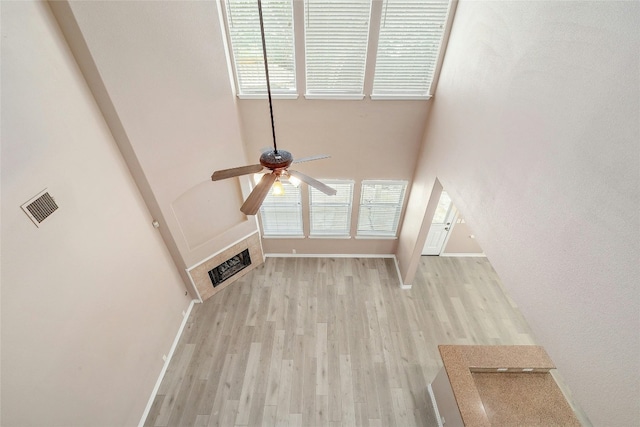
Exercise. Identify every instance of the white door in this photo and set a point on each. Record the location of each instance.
(440, 226)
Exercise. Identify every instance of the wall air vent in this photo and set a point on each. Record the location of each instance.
(40, 207)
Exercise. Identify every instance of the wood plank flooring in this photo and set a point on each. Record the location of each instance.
(330, 342)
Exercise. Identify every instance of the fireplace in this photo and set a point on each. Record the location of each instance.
(230, 267)
(213, 274)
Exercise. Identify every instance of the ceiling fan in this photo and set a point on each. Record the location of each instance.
(277, 161)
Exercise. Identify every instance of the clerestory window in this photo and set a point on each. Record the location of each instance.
(335, 38)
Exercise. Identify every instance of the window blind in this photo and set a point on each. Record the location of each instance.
(409, 45)
(380, 207)
(243, 23)
(336, 37)
(331, 215)
(282, 215)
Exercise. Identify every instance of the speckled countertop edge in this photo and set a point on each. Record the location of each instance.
(460, 360)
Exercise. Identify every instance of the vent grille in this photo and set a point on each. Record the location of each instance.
(40, 207)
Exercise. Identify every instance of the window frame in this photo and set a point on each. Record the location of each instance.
(346, 233)
(268, 208)
(232, 54)
(300, 57)
(332, 92)
(432, 67)
(399, 207)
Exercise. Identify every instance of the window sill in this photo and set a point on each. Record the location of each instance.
(329, 237)
(334, 96)
(283, 237)
(390, 97)
(273, 96)
(377, 237)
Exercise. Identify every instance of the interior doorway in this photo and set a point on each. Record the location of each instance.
(443, 220)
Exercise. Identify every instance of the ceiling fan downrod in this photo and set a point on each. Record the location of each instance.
(277, 162)
(266, 72)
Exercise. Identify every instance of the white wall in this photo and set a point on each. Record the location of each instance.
(91, 300)
(534, 132)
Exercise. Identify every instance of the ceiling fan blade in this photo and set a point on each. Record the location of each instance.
(257, 196)
(314, 183)
(230, 173)
(311, 158)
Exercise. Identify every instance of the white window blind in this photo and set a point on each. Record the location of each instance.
(331, 215)
(408, 47)
(243, 23)
(336, 36)
(282, 215)
(380, 207)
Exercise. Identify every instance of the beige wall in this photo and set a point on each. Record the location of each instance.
(165, 90)
(159, 72)
(366, 140)
(534, 133)
(90, 300)
(326, 246)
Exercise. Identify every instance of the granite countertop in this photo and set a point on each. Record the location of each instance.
(505, 385)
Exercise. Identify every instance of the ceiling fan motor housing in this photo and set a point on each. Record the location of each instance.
(276, 160)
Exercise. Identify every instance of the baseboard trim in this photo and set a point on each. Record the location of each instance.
(145, 414)
(480, 255)
(435, 405)
(195, 288)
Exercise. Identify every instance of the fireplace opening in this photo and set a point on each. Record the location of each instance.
(230, 267)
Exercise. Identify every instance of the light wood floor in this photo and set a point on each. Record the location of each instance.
(330, 341)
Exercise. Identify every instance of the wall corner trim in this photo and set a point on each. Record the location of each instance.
(166, 363)
(434, 404)
(402, 284)
(195, 288)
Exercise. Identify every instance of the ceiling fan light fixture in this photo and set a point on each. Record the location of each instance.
(293, 180)
(278, 189)
(257, 177)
